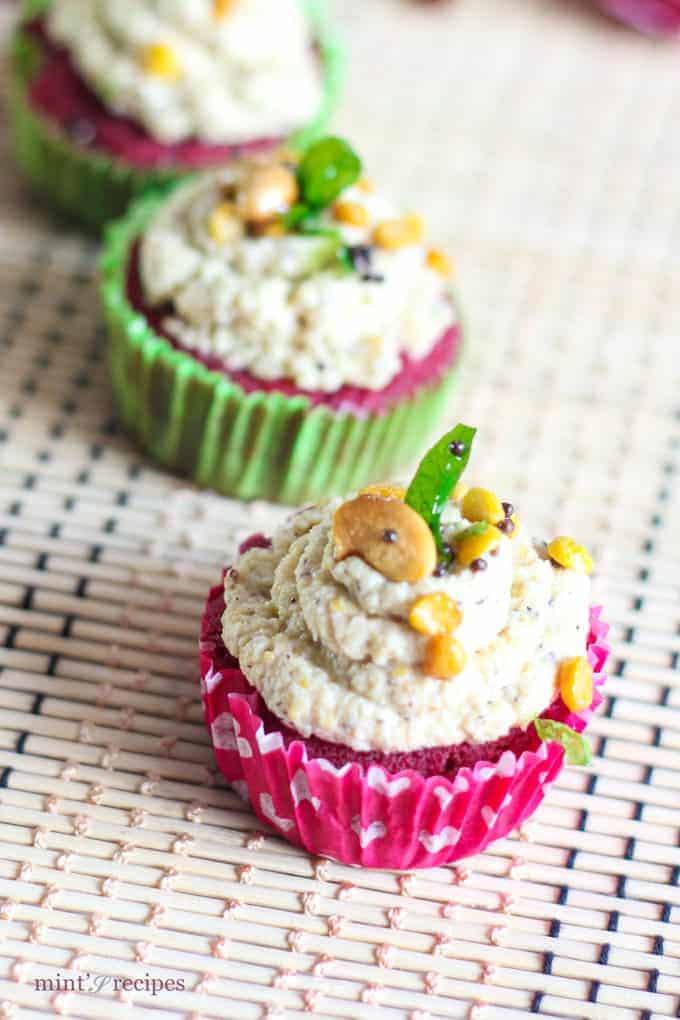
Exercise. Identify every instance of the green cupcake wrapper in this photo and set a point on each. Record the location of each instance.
(261, 445)
(93, 188)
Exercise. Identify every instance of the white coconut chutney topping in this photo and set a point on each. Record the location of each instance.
(278, 306)
(329, 647)
(185, 69)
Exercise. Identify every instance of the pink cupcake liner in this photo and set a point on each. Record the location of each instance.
(366, 814)
(655, 17)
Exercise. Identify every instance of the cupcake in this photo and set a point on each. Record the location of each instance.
(277, 329)
(394, 680)
(109, 99)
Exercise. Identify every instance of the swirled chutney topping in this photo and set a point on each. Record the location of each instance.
(222, 71)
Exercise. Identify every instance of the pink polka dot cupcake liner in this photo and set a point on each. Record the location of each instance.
(365, 814)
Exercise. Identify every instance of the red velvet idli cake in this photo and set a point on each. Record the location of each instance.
(396, 679)
(278, 329)
(109, 99)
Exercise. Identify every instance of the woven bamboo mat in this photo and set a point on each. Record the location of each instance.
(542, 144)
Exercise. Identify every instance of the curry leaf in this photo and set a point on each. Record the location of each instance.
(576, 747)
(327, 168)
(437, 474)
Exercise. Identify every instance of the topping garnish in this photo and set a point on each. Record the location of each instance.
(394, 234)
(438, 616)
(327, 168)
(482, 505)
(281, 197)
(476, 541)
(576, 747)
(161, 60)
(575, 680)
(351, 213)
(221, 8)
(439, 261)
(291, 198)
(435, 614)
(444, 657)
(437, 473)
(567, 553)
(507, 526)
(383, 489)
(361, 258)
(359, 528)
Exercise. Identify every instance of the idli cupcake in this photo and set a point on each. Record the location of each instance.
(109, 99)
(396, 679)
(277, 329)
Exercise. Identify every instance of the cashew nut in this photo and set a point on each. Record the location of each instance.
(388, 535)
(267, 191)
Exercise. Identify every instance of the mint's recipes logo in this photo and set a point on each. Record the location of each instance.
(88, 984)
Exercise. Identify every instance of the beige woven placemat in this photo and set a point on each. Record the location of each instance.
(543, 145)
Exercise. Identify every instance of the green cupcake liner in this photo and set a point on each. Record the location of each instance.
(93, 188)
(261, 445)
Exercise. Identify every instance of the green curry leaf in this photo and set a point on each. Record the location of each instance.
(437, 474)
(576, 747)
(327, 168)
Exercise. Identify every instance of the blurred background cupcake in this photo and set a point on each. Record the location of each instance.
(107, 99)
(277, 329)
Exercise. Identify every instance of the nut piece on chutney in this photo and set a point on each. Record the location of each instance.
(390, 536)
